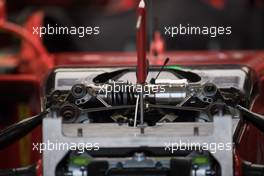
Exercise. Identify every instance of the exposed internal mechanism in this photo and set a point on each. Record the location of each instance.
(102, 106)
(196, 163)
(119, 101)
(168, 100)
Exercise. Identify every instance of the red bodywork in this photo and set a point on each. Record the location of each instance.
(20, 92)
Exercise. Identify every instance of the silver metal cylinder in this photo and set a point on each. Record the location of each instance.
(163, 92)
(170, 91)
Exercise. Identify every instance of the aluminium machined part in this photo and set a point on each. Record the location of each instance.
(115, 136)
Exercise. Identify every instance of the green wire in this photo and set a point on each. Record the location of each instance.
(176, 67)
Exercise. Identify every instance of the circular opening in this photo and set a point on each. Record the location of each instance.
(78, 91)
(209, 89)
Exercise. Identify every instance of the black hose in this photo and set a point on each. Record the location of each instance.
(256, 119)
(20, 129)
(23, 171)
(250, 169)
